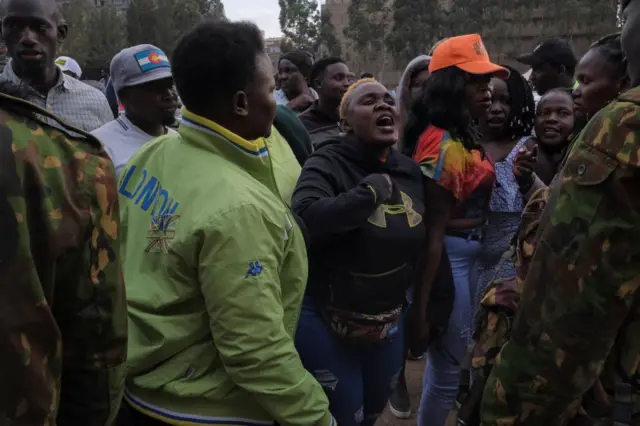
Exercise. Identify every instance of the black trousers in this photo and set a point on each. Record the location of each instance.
(129, 416)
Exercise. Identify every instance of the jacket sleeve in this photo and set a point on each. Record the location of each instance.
(93, 318)
(63, 315)
(239, 262)
(294, 132)
(325, 212)
(581, 286)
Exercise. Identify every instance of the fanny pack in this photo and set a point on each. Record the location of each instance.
(369, 328)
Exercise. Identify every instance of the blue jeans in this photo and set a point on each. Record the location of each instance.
(444, 356)
(357, 377)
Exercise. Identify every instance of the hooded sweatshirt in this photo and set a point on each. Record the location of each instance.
(365, 246)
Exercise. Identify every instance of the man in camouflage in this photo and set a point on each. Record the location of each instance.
(574, 352)
(62, 309)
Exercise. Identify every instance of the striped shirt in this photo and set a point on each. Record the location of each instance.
(76, 103)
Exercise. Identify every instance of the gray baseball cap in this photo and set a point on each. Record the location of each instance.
(138, 65)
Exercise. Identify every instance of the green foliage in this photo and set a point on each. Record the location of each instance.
(328, 43)
(300, 24)
(417, 24)
(96, 34)
(367, 33)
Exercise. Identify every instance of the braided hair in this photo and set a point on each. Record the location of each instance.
(523, 106)
(610, 47)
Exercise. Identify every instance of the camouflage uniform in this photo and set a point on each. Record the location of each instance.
(576, 338)
(62, 306)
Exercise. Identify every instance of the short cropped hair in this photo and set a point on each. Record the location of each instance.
(346, 99)
(215, 60)
(317, 72)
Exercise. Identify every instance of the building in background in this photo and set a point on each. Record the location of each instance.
(120, 4)
(272, 46)
(511, 33)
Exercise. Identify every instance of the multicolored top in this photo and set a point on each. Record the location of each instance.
(468, 175)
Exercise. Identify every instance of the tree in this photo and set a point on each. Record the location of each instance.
(184, 14)
(75, 13)
(95, 35)
(300, 24)
(105, 37)
(417, 25)
(143, 22)
(211, 8)
(367, 33)
(328, 43)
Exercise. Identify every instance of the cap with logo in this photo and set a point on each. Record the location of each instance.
(66, 63)
(555, 51)
(138, 65)
(468, 53)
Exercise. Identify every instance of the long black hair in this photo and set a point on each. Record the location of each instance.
(523, 106)
(442, 103)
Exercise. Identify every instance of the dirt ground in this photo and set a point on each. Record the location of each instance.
(414, 384)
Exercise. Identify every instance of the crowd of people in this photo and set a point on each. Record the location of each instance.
(276, 257)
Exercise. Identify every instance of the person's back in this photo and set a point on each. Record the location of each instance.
(63, 330)
(214, 261)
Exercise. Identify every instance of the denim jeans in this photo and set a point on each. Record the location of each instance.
(357, 377)
(445, 355)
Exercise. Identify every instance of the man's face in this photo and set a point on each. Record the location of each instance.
(291, 79)
(334, 83)
(630, 40)
(260, 104)
(153, 102)
(544, 77)
(31, 32)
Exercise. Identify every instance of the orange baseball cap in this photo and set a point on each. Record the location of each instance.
(468, 53)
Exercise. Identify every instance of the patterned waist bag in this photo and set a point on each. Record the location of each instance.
(357, 327)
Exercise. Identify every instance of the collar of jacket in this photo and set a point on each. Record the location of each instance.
(252, 156)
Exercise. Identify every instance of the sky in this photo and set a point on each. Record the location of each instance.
(263, 12)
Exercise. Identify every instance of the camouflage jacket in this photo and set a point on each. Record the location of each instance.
(578, 319)
(62, 306)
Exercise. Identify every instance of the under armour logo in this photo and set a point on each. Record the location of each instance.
(379, 216)
(255, 269)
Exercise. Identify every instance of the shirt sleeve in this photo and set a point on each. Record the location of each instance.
(443, 160)
(581, 284)
(248, 319)
(105, 115)
(61, 295)
(327, 213)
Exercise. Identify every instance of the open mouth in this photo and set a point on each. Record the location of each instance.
(496, 120)
(386, 123)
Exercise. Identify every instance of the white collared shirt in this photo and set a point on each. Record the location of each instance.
(281, 98)
(121, 139)
(76, 103)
